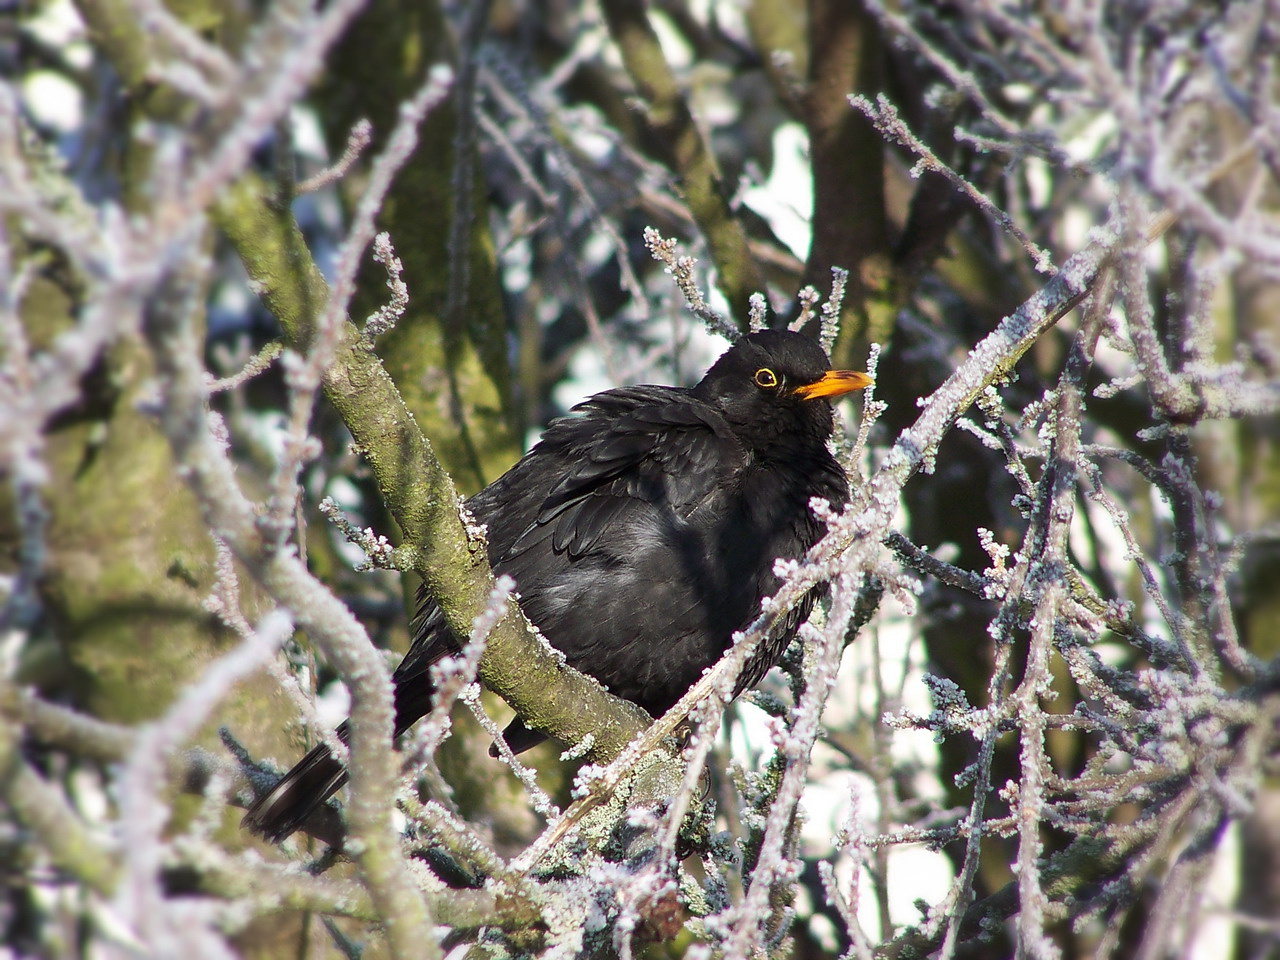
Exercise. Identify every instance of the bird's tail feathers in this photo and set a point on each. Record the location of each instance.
(318, 776)
(286, 806)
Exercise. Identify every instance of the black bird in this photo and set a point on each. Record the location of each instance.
(641, 533)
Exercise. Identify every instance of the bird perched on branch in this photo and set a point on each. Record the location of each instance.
(641, 532)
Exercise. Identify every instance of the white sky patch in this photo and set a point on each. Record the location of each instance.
(597, 249)
(587, 377)
(517, 264)
(1075, 223)
(233, 298)
(678, 53)
(587, 129)
(272, 428)
(53, 100)
(1113, 361)
(698, 348)
(786, 198)
(1156, 257)
(1092, 523)
(712, 293)
(1039, 182)
(914, 872)
(12, 642)
(715, 104)
(1018, 92)
(343, 491)
(1215, 933)
(1085, 144)
(308, 137)
(90, 796)
(333, 704)
(57, 24)
(730, 16)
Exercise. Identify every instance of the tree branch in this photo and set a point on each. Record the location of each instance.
(416, 488)
(686, 149)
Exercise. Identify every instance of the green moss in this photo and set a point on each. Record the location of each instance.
(452, 371)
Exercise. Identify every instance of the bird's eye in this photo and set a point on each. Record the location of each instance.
(766, 378)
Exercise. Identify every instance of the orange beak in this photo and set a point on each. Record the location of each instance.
(834, 383)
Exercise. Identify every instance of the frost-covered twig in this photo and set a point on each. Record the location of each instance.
(139, 900)
(681, 269)
(774, 863)
(885, 117)
(210, 474)
(383, 319)
(378, 550)
(258, 363)
(304, 376)
(358, 139)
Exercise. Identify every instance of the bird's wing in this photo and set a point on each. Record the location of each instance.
(629, 460)
(628, 465)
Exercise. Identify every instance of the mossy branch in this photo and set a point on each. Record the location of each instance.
(416, 488)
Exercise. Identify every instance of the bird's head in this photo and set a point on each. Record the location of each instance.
(775, 384)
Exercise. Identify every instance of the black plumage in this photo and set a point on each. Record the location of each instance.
(641, 532)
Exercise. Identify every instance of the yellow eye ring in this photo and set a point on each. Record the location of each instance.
(766, 378)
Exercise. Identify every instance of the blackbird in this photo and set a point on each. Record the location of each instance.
(641, 532)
